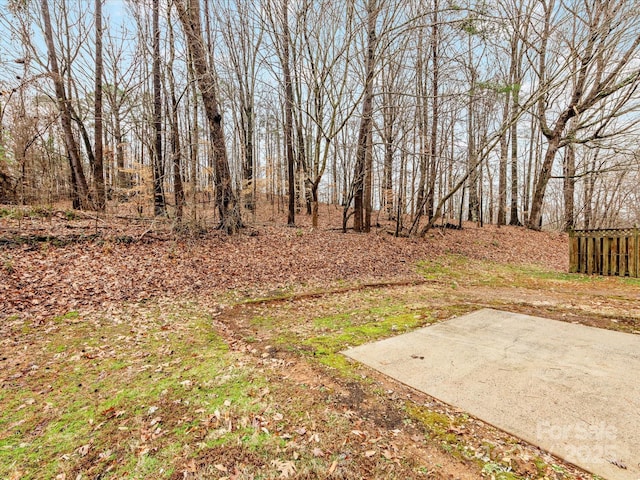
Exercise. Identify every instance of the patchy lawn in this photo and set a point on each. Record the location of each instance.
(234, 371)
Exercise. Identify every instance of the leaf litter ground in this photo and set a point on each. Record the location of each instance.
(169, 357)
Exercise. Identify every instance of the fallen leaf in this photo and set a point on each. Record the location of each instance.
(83, 450)
(191, 467)
(287, 469)
(143, 450)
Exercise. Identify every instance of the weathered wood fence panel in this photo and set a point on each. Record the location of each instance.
(605, 252)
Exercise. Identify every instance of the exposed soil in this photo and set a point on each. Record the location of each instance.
(46, 273)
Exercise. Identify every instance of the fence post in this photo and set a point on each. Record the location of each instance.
(634, 270)
(573, 251)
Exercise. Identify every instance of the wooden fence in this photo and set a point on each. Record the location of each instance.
(605, 252)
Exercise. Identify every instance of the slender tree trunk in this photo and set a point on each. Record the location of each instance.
(176, 152)
(474, 202)
(302, 167)
(226, 201)
(78, 179)
(423, 121)
(159, 207)
(122, 177)
(75, 195)
(569, 187)
(288, 114)
(435, 113)
(400, 208)
(502, 176)
(590, 183)
(247, 167)
(362, 175)
(98, 168)
(516, 78)
(513, 219)
(387, 175)
(534, 147)
(194, 137)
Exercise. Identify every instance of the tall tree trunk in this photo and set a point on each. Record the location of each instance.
(159, 207)
(513, 218)
(387, 174)
(569, 187)
(435, 114)
(502, 174)
(98, 168)
(362, 175)
(193, 136)
(517, 52)
(226, 201)
(472, 161)
(247, 165)
(423, 122)
(534, 153)
(288, 114)
(78, 179)
(176, 152)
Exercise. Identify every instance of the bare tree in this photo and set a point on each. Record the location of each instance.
(605, 44)
(243, 38)
(159, 207)
(176, 152)
(362, 174)
(98, 168)
(226, 201)
(77, 173)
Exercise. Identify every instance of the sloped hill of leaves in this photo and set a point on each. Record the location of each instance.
(49, 273)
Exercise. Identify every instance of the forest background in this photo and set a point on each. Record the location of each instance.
(508, 112)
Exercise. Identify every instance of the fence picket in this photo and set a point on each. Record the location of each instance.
(605, 252)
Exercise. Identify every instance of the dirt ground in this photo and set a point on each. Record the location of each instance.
(51, 265)
(590, 306)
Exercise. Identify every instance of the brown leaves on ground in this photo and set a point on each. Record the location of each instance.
(335, 428)
(44, 280)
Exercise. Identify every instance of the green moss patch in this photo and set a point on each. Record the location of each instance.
(125, 396)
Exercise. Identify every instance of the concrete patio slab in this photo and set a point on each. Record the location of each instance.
(569, 389)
